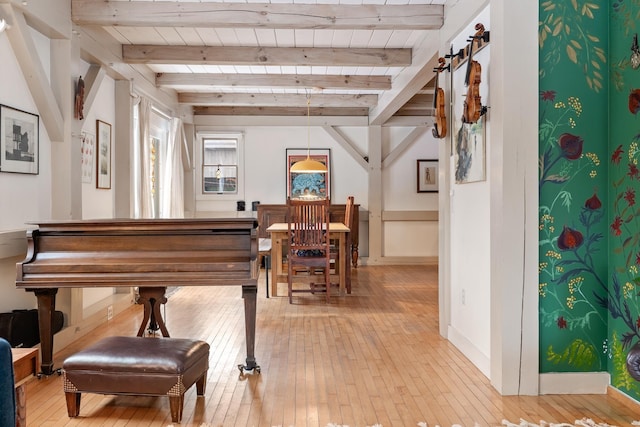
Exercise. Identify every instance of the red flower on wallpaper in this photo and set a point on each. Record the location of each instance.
(633, 171)
(638, 322)
(630, 196)
(593, 202)
(571, 146)
(562, 323)
(548, 95)
(617, 155)
(634, 101)
(569, 239)
(615, 227)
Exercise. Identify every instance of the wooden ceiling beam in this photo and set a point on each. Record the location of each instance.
(280, 111)
(244, 55)
(275, 80)
(275, 100)
(257, 15)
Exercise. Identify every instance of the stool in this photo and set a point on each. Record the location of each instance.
(137, 366)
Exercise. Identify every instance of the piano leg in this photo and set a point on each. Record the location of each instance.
(46, 309)
(249, 294)
(151, 298)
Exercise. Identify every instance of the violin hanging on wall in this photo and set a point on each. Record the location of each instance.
(440, 125)
(473, 108)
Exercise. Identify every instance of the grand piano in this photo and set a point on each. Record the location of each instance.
(148, 253)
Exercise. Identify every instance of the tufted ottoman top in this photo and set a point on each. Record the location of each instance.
(139, 355)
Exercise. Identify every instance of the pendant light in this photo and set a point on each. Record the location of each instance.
(308, 165)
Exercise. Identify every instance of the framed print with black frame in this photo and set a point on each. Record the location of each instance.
(103, 155)
(427, 176)
(20, 142)
(308, 185)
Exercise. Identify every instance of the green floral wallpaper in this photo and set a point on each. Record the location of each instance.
(573, 184)
(589, 133)
(624, 184)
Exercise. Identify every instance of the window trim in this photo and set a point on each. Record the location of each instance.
(199, 184)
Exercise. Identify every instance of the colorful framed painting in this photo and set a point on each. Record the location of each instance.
(103, 155)
(308, 185)
(20, 143)
(427, 176)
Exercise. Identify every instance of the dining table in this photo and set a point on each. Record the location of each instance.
(279, 244)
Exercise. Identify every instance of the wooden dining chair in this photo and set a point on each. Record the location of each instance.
(308, 231)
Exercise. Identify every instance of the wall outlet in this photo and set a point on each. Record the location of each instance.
(110, 312)
(463, 297)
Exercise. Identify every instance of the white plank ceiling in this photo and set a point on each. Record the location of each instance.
(274, 56)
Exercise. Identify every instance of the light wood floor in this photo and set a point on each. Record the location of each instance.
(373, 357)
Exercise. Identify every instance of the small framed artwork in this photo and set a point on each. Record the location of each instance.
(308, 185)
(87, 147)
(20, 142)
(103, 157)
(427, 176)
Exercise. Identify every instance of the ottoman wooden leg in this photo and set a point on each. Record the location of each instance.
(73, 403)
(175, 404)
(201, 384)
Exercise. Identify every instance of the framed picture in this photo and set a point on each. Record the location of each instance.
(20, 142)
(103, 158)
(427, 176)
(469, 151)
(87, 147)
(308, 185)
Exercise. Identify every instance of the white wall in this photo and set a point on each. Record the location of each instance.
(23, 198)
(99, 203)
(27, 198)
(399, 193)
(470, 223)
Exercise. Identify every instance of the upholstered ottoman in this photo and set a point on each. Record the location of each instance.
(137, 366)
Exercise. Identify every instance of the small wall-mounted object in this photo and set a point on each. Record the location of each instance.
(79, 100)
(635, 53)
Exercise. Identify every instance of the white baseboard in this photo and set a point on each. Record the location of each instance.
(574, 383)
(470, 351)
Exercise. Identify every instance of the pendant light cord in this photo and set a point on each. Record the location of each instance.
(308, 125)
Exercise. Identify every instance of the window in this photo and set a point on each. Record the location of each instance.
(220, 164)
(153, 176)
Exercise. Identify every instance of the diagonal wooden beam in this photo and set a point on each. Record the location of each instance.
(244, 55)
(257, 15)
(92, 80)
(26, 53)
(276, 100)
(275, 80)
(347, 145)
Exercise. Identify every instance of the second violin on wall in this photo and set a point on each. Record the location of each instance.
(473, 107)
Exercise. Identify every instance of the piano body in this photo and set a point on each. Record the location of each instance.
(148, 253)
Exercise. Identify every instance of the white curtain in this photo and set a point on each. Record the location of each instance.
(145, 202)
(172, 197)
